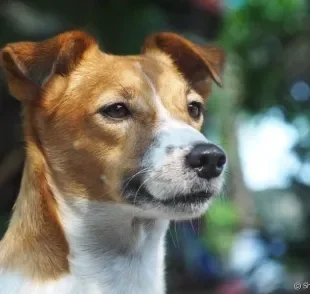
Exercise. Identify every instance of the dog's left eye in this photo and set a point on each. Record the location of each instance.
(195, 109)
(116, 111)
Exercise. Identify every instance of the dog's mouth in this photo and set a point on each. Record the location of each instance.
(190, 198)
(136, 193)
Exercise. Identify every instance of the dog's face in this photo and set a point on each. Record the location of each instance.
(121, 128)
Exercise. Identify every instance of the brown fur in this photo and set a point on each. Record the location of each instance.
(63, 82)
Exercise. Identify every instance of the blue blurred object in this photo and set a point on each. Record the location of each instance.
(252, 259)
(277, 247)
(200, 263)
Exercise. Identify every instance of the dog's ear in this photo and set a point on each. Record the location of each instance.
(30, 65)
(196, 63)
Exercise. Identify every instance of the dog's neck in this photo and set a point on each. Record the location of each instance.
(102, 245)
(112, 249)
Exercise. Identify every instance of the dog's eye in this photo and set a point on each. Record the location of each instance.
(195, 109)
(115, 111)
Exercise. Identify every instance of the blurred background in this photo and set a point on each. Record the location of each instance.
(256, 236)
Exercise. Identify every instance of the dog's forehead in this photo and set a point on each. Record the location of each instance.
(135, 73)
(102, 79)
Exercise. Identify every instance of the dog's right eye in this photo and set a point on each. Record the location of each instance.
(115, 111)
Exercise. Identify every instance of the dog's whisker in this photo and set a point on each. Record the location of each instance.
(176, 233)
(191, 221)
(172, 238)
(136, 174)
(145, 170)
(134, 199)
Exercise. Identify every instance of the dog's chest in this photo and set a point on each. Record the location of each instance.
(98, 274)
(124, 274)
(12, 283)
(15, 283)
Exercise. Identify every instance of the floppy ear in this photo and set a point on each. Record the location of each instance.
(30, 65)
(196, 63)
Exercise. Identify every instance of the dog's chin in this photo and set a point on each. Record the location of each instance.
(176, 207)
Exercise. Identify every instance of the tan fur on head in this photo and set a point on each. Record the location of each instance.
(64, 83)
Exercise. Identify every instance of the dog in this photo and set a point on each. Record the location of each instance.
(113, 153)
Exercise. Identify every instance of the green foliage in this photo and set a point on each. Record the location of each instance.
(223, 214)
(222, 221)
(271, 40)
(259, 33)
(258, 18)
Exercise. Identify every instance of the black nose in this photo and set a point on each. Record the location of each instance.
(207, 159)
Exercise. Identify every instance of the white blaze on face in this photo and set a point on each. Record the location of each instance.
(170, 133)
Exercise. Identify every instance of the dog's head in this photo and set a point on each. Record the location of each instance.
(122, 129)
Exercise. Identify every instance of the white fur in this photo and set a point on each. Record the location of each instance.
(112, 249)
(14, 283)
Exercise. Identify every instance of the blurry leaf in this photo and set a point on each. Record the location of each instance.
(222, 214)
